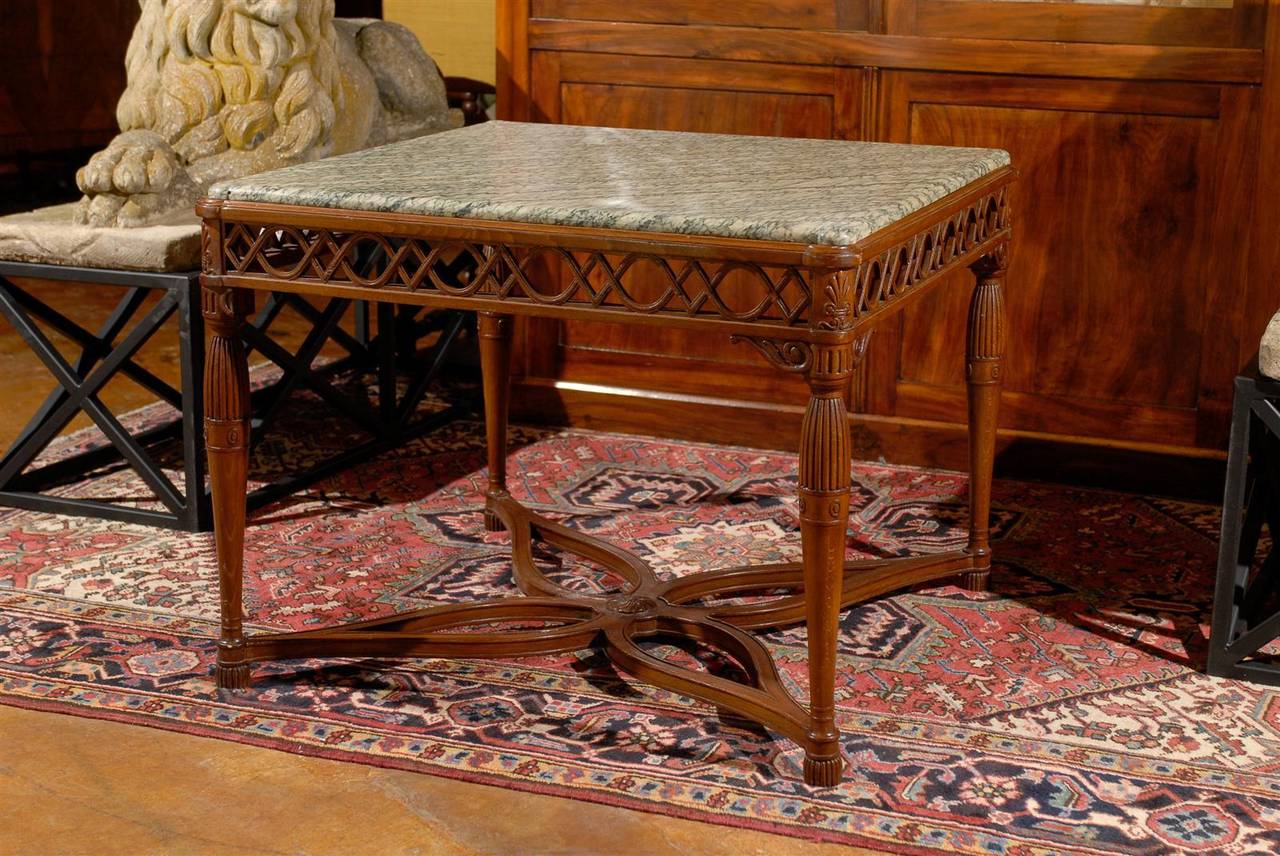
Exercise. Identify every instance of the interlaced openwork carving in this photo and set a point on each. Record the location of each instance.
(635, 282)
(897, 270)
(778, 295)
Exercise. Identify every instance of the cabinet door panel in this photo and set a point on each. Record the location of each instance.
(688, 95)
(1123, 234)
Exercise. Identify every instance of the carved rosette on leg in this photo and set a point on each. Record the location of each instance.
(495, 364)
(824, 513)
(983, 360)
(226, 431)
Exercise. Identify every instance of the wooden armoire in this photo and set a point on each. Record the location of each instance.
(1147, 215)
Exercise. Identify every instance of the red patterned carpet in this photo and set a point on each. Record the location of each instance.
(1064, 712)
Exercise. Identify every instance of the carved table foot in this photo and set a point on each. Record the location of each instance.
(232, 676)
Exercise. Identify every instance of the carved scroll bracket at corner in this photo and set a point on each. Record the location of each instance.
(798, 357)
(790, 356)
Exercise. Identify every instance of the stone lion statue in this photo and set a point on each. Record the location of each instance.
(226, 88)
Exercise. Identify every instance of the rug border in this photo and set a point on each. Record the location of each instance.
(804, 833)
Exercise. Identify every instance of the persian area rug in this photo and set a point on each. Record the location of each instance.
(1063, 712)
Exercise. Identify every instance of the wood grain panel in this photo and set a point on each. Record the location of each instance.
(712, 110)
(61, 72)
(1056, 414)
(1122, 325)
(1262, 296)
(790, 14)
(994, 55)
(581, 67)
(1225, 320)
(723, 370)
(1063, 22)
(1250, 22)
(515, 100)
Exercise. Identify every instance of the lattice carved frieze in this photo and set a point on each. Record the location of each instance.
(634, 282)
(631, 282)
(891, 274)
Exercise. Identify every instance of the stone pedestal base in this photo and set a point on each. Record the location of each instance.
(49, 236)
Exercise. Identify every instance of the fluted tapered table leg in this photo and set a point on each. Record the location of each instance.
(824, 514)
(983, 358)
(226, 431)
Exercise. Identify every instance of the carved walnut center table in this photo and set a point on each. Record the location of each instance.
(794, 247)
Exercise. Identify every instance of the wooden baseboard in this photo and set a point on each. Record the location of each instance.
(1143, 468)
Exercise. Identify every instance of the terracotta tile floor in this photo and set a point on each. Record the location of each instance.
(79, 786)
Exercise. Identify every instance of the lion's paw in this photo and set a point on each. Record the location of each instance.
(134, 181)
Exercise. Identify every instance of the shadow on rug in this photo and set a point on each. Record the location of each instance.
(1063, 712)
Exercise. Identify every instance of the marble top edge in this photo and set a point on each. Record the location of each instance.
(805, 191)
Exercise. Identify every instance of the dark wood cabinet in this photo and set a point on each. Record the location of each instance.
(1138, 130)
(61, 71)
(1124, 342)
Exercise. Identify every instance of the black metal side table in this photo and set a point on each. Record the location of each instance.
(111, 349)
(1246, 604)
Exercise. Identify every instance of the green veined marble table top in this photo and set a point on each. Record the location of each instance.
(824, 192)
